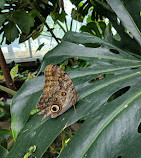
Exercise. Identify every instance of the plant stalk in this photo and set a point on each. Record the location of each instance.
(10, 91)
(41, 18)
(71, 24)
(6, 72)
(53, 35)
(66, 24)
(61, 26)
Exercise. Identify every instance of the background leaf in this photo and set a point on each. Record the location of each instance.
(125, 43)
(2, 2)
(125, 17)
(3, 135)
(11, 31)
(2, 19)
(23, 20)
(14, 71)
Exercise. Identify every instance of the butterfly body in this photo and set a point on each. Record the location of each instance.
(59, 92)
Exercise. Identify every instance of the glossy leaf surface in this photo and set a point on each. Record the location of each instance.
(102, 116)
(112, 125)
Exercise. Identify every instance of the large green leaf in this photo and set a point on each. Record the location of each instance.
(126, 38)
(127, 20)
(23, 102)
(101, 115)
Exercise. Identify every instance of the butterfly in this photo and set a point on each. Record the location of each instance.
(59, 93)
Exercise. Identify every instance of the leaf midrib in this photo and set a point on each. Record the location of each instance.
(100, 57)
(105, 71)
(107, 84)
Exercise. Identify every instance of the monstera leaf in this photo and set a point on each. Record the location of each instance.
(111, 105)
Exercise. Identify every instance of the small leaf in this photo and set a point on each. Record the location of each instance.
(14, 71)
(76, 15)
(11, 32)
(30, 152)
(89, 19)
(2, 2)
(24, 20)
(34, 111)
(40, 47)
(2, 77)
(102, 26)
(61, 17)
(91, 28)
(2, 19)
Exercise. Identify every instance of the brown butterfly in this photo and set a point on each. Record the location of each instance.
(59, 92)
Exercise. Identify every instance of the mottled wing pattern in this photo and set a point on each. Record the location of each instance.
(59, 92)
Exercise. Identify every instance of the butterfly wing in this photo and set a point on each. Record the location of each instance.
(59, 92)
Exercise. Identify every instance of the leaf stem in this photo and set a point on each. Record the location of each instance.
(10, 144)
(71, 24)
(61, 26)
(7, 90)
(66, 24)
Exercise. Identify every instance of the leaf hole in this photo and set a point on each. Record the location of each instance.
(118, 93)
(97, 78)
(114, 51)
(119, 157)
(134, 68)
(139, 128)
(92, 45)
(100, 77)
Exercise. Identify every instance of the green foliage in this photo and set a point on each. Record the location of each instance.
(101, 115)
(2, 19)
(40, 47)
(14, 71)
(108, 86)
(18, 74)
(94, 28)
(30, 152)
(56, 16)
(11, 32)
(76, 15)
(4, 134)
(2, 2)
(24, 19)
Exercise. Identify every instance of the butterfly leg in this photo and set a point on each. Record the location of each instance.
(47, 113)
(41, 112)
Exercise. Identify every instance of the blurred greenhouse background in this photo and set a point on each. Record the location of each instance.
(29, 50)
